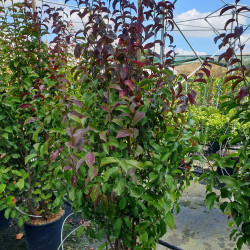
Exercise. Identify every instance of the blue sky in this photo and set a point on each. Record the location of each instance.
(198, 32)
(202, 41)
(200, 37)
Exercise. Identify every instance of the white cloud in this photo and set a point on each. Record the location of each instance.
(181, 51)
(193, 21)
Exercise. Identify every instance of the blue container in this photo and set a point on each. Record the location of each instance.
(3, 221)
(44, 237)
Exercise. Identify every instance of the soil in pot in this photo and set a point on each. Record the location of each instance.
(44, 235)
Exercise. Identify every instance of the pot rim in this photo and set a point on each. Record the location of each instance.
(45, 224)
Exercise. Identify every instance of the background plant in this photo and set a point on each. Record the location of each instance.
(33, 105)
(234, 189)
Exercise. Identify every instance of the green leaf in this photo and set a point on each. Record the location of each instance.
(154, 69)
(210, 200)
(105, 148)
(35, 135)
(163, 227)
(122, 203)
(146, 81)
(109, 172)
(218, 159)
(223, 138)
(20, 221)
(5, 136)
(75, 118)
(170, 220)
(240, 243)
(134, 190)
(169, 181)
(156, 146)
(102, 246)
(123, 108)
(7, 212)
(2, 187)
(30, 157)
(142, 226)
(72, 194)
(99, 234)
(119, 186)
(57, 202)
(57, 130)
(229, 181)
(117, 226)
(123, 165)
(135, 164)
(118, 122)
(127, 222)
(79, 231)
(108, 160)
(230, 224)
(144, 237)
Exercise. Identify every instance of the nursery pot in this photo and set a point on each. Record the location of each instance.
(3, 221)
(44, 237)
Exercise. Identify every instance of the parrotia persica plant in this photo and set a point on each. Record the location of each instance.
(131, 131)
(33, 115)
(234, 190)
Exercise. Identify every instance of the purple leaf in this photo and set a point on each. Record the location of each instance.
(68, 144)
(79, 133)
(124, 73)
(78, 50)
(105, 107)
(130, 84)
(124, 133)
(74, 180)
(25, 105)
(90, 159)
(218, 37)
(179, 90)
(23, 94)
(206, 71)
(191, 99)
(30, 120)
(242, 93)
(76, 114)
(67, 167)
(69, 132)
(138, 116)
(226, 9)
(77, 102)
(228, 22)
(54, 154)
(80, 162)
(201, 80)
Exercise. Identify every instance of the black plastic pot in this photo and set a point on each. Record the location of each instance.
(3, 221)
(44, 237)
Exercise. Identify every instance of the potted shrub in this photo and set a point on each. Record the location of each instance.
(126, 141)
(33, 107)
(234, 190)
